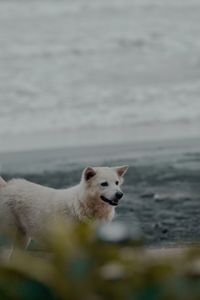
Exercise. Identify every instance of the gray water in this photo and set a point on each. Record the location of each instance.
(72, 66)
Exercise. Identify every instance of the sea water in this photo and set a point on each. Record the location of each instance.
(72, 66)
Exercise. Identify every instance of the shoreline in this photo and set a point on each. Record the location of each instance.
(69, 157)
(95, 137)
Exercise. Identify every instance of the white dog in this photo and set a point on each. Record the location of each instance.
(28, 207)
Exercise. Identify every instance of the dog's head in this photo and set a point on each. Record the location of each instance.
(104, 183)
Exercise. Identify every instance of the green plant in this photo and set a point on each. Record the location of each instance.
(79, 263)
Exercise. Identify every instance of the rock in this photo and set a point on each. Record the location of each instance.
(148, 195)
(165, 230)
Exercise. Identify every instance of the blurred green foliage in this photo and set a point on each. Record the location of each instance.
(78, 264)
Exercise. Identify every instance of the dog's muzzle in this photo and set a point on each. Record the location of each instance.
(113, 202)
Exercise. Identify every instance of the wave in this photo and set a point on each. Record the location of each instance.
(82, 64)
(137, 107)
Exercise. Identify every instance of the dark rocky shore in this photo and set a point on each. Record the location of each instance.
(162, 191)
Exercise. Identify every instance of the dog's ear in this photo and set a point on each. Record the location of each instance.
(121, 170)
(88, 173)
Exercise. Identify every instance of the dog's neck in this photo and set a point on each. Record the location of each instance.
(87, 207)
(95, 209)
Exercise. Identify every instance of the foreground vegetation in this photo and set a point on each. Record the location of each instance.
(82, 262)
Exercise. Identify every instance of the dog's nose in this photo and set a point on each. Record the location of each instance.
(119, 195)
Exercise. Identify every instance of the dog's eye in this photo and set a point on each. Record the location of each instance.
(117, 182)
(104, 183)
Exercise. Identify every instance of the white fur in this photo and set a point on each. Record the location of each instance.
(29, 207)
(2, 182)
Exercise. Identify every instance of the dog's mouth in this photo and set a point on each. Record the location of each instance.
(114, 202)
